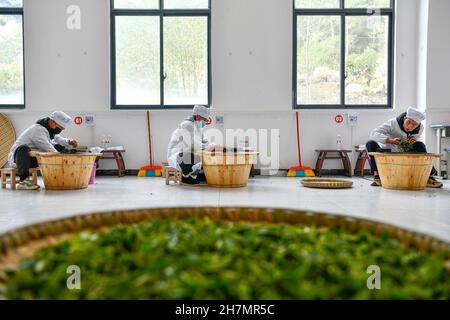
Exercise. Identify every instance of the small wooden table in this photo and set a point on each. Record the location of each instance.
(341, 154)
(114, 155)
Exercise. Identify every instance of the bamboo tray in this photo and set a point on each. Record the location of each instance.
(7, 138)
(24, 242)
(327, 183)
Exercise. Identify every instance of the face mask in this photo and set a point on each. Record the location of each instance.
(201, 124)
(57, 131)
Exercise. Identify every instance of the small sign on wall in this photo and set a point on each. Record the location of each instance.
(352, 118)
(78, 120)
(339, 118)
(89, 120)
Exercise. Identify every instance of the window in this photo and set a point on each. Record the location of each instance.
(160, 54)
(11, 55)
(343, 53)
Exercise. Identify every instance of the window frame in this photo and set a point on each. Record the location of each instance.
(17, 11)
(161, 12)
(343, 13)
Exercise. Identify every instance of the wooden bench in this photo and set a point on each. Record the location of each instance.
(171, 174)
(363, 156)
(339, 154)
(113, 154)
(13, 178)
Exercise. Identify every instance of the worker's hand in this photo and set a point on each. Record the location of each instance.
(412, 140)
(395, 141)
(73, 143)
(215, 147)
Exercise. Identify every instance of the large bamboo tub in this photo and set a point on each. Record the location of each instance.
(404, 171)
(65, 171)
(229, 170)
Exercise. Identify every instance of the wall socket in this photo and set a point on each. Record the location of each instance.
(220, 120)
(89, 120)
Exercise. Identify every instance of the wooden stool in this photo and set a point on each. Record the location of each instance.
(115, 155)
(342, 154)
(363, 156)
(13, 179)
(171, 174)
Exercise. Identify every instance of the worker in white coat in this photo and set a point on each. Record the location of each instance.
(43, 136)
(186, 142)
(388, 136)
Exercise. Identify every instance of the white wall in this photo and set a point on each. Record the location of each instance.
(438, 68)
(252, 75)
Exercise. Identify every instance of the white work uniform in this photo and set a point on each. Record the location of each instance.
(37, 138)
(188, 137)
(391, 129)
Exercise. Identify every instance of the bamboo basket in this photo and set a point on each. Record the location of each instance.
(24, 242)
(229, 170)
(404, 171)
(7, 138)
(66, 171)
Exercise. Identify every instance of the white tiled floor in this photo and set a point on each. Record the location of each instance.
(424, 211)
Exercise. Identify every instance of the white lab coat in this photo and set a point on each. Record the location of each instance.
(391, 129)
(188, 137)
(37, 138)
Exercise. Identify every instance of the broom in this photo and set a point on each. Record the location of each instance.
(300, 171)
(150, 170)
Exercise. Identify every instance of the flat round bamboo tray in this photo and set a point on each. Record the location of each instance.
(404, 171)
(24, 242)
(327, 183)
(227, 170)
(66, 171)
(7, 138)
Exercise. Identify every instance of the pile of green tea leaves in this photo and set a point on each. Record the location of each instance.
(405, 145)
(206, 259)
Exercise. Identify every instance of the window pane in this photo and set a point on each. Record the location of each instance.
(136, 4)
(186, 60)
(318, 59)
(366, 60)
(137, 60)
(11, 60)
(11, 3)
(313, 4)
(367, 3)
(186, 4)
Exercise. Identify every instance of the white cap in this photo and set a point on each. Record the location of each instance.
(62, 119)
(416, 115)
(201, 111)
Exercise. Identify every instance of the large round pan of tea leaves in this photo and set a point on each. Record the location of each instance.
(207, 259)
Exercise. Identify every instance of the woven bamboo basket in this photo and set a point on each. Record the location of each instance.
(24, 242)
(66, 171)
(327, 183)
(7, 138)
(404, 171)
(227, 170)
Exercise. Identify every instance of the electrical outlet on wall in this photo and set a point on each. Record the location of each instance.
(89, 120)
(352, 119)
(220, 120)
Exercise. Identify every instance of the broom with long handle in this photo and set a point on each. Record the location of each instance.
(300, 171)
(150, 170)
